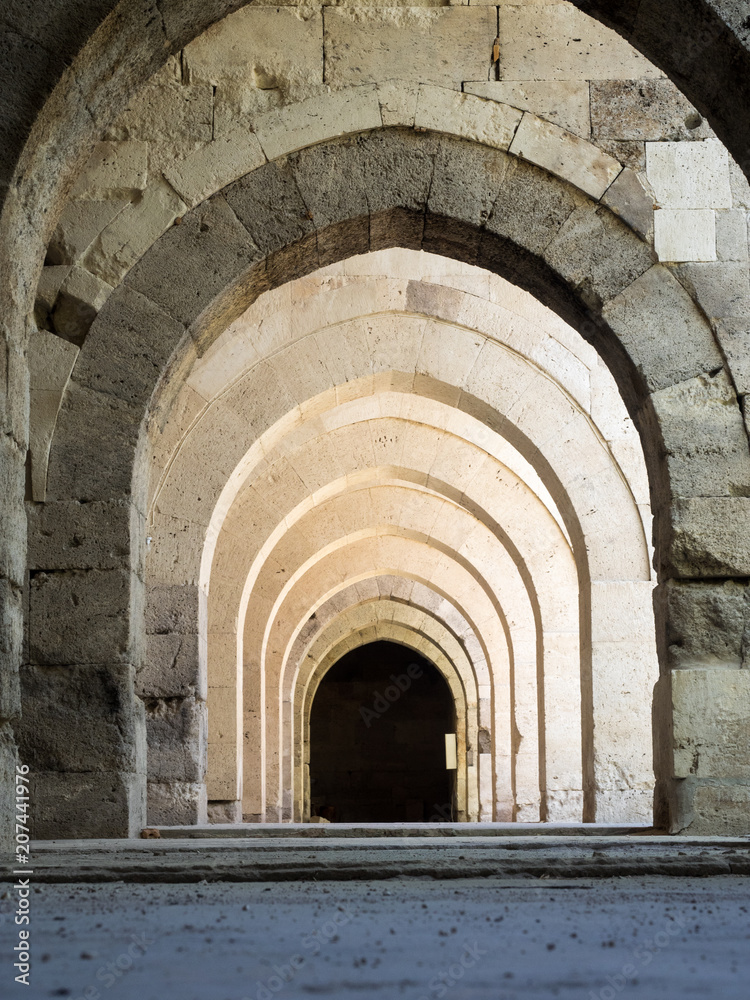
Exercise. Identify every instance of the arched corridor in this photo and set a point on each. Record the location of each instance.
(377, 739)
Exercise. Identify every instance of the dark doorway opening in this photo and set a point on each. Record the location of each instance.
(377, 739)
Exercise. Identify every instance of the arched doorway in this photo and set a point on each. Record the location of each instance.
(377, 739)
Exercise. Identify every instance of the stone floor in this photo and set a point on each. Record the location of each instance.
(491, 938)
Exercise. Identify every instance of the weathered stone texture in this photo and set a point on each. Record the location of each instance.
(473, 118)
(176, 729)
(710, 538)
(715, 809)
(565, 154)
(689, 175)
(558, 42)
(213, 166)
(369, 44)
(630, 197)
(651, 110)
(353, 110)
(72, 535)
(114, 170)
(80, 719)
(128, 348)
(562, 102)
(229, 811)
(592, 255)
(734, 338)
(200, 257)
(78, 226)
(722, 289)
(270, 206)
(92, 804)
(172, 610)
(171, 667)
(177, 803)
(685, 234)
(527, 212)
(707, 623)
(171, 116)
(639, 315)
(466, 182)
(80, 298)
(130, 234)
(711, 709)
(80, 616)
(268, 49)
(90, 425)
(705, 438)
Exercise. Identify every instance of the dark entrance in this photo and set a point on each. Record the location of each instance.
(377, 739)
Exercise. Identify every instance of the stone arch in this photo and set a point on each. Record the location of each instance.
(612, 303)
(375, 624)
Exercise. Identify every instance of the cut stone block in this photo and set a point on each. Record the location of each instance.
(734, 337)
(652, 110)
(722, 289)
(78, 616)
(81, 718)
(277, 48)
(114, 170)
(442, 46)
(559, 42)
(125, 240)
(732, 235)
(398, 102)
(719, 810)
(215, 165)
(487, 122)
(562, 102)
(708, 624)
(565, 154)
(51, 361)
(97, 804)
(171, 116)
(689, 174)
(638, 316)
(176, 729)
(171, 668)
(177, 803)
(81, 296)
(711, 719)
(205, 254)
(704, 438)
(685, 234)
(172, 609)
(72, 535)
(631, 198)
(78, 226)
(355, 109)
(711, 538)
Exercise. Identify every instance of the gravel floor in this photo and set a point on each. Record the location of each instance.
(650, 938)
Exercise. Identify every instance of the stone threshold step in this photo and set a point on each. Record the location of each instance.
(359, 830)
(283, 860)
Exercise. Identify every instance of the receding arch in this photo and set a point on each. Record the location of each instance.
(120, 407)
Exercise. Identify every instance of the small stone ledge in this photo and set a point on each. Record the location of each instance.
(336, 859)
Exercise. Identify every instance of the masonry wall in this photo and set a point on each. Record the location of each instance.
(163, 154)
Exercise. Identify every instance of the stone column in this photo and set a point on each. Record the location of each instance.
(702, 707)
